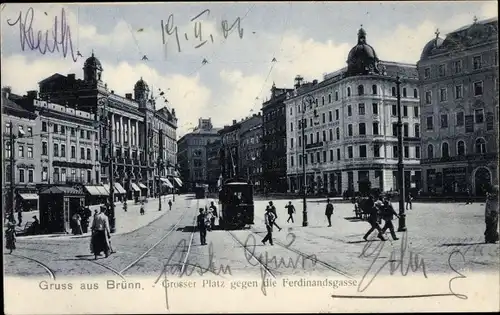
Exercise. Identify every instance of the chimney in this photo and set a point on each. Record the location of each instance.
(127, 96)
(315, 82)
(32, 94)
(173, 112)
(234, 121)
(71, 77)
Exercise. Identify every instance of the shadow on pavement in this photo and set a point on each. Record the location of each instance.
(461, 244)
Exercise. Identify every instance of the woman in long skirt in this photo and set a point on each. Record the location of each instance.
(491, 216)
(10, 237)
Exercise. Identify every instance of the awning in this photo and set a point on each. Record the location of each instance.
(178, 181)
(102, 190)
(135, 187)
(92, 190)
(106, 186)
(119, 189)
(29, 196)
(142, 186)
(166, 182)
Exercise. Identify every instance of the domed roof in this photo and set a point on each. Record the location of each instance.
(433, 43)
(362, 58)
(93, 62)
(141, 85)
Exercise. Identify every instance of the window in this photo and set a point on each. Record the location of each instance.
(445, 150)
(338, 154)
(44, 173)
(442, 70)
(30, 152)
(300, 141)
(324, 156)
(331, 155)
(375, 128)
(476, 62)
(415, 111)
(375, 108)
(337, 131)
(82, 132)
(73, 152)
(480, 146)
(44, 148)
(329, 98)
(428, 97)
(444, 120)
(460, 148)
(348, 91)
(311, 138)
(63, 175)
(30, 176)
(415, 93)
(417, 130)
(63, 150)
(404, 92)
(361, 90)
(395, 151)
(405, 130)
(490, 121)
(349, 152)
(457, 66)
(330, 116)
(323, 116)
(291, 126)
(291, 112)
(324, 135)
(376, 150)
(322, 100)
(318, 158)
(430, 151)
(349, 130)
(291, 161)
(430, 123)
(442, 95)
(336, 95)
(478, 88)
(460, 121)
(30, 131)
(405, 111)
(362, 129)
(56, 128)
(21, 151)
(89, 157)
(393, 91)
(394, 110)
(395, 129)
(458, 91)
(427, 73)
(336, 114)
(349, 110)
(406, 151)
(362, 151)
(331, 134)
(63, 130)
(7, 150)
(317, 136)
(44, 126)
(21, 176)
(479, 114)
(82, 153)
(72, 131)
(417, 152)
(374, 89)
(56, 149)
(291, 143)
(361, 109)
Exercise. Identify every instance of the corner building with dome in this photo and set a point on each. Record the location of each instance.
(140, 132)
(351, 126)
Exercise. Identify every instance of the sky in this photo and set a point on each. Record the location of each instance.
(306, 38)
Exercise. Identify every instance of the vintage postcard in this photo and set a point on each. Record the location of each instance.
(250, 157)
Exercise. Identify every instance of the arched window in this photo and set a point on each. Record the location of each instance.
(415, 93)
(480, 146)
(329, 98)
(348, 91)
(337, 132)
(393, 91)
(461, 148)
(445, 150)
(374, 89)
(361, 90)
(336, 95)
(404, 92)
(322, 100)
(430, 151)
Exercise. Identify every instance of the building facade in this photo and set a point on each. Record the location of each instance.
(192, 153)
(274, 141)
(230, 151)
(459, 100)
(140, 139)
(250, 148)
(350, 126)
(213, 165)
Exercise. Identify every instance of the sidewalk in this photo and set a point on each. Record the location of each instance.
(126, 222)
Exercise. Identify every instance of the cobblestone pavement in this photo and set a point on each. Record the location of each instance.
(169, 243)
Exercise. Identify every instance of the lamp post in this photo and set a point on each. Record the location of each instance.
(12, 174)
(401, 185)
(159, 181)
(305, 100)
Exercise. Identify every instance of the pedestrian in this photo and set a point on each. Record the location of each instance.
(169, 204)
(77, 224)
(273, 209)
(142, 208)
(100, 234)
(202, 227)
(329, 211)
(208, 218)
(469, 196)
(491, 216)
(368, 207)
(10, 236)
(388, 214)
(291, 210)
(86, 214)
(409, 199)
(19, 216)
(269, 218)
(125, 206)
(35, 226)
(213, 210)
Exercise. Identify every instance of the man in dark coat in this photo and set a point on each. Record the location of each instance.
(273, 210)
(368, 206)
(329, 211)
(269, 218)
(200, 222)
(213, 210)
(291, 211)
(388, 214)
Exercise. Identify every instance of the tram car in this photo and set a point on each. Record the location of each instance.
(200, 192)
(237, 207)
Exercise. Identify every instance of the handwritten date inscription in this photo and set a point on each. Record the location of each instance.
(48, 41)
(171, 29)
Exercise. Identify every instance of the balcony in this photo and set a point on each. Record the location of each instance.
(411, 139)
(462, 158)
(314, 145)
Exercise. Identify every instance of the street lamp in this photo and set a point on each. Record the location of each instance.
(308, 99)
(160, 164)
(12, 174)
(401, 186)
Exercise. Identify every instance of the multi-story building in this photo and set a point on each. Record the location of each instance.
(459, 100)
(213, 165)
(24, 155)
(350, 121)
(274, 141)
(143, 138)
(192, 153)
(229, 152)
(250, 148)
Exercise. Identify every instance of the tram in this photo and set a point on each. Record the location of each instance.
(237, 207)
(200, 191)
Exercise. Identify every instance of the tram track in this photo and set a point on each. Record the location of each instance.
(41, 264)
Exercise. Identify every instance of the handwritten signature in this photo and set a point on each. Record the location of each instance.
(266, 262)
(171, 29)
(60, 35)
